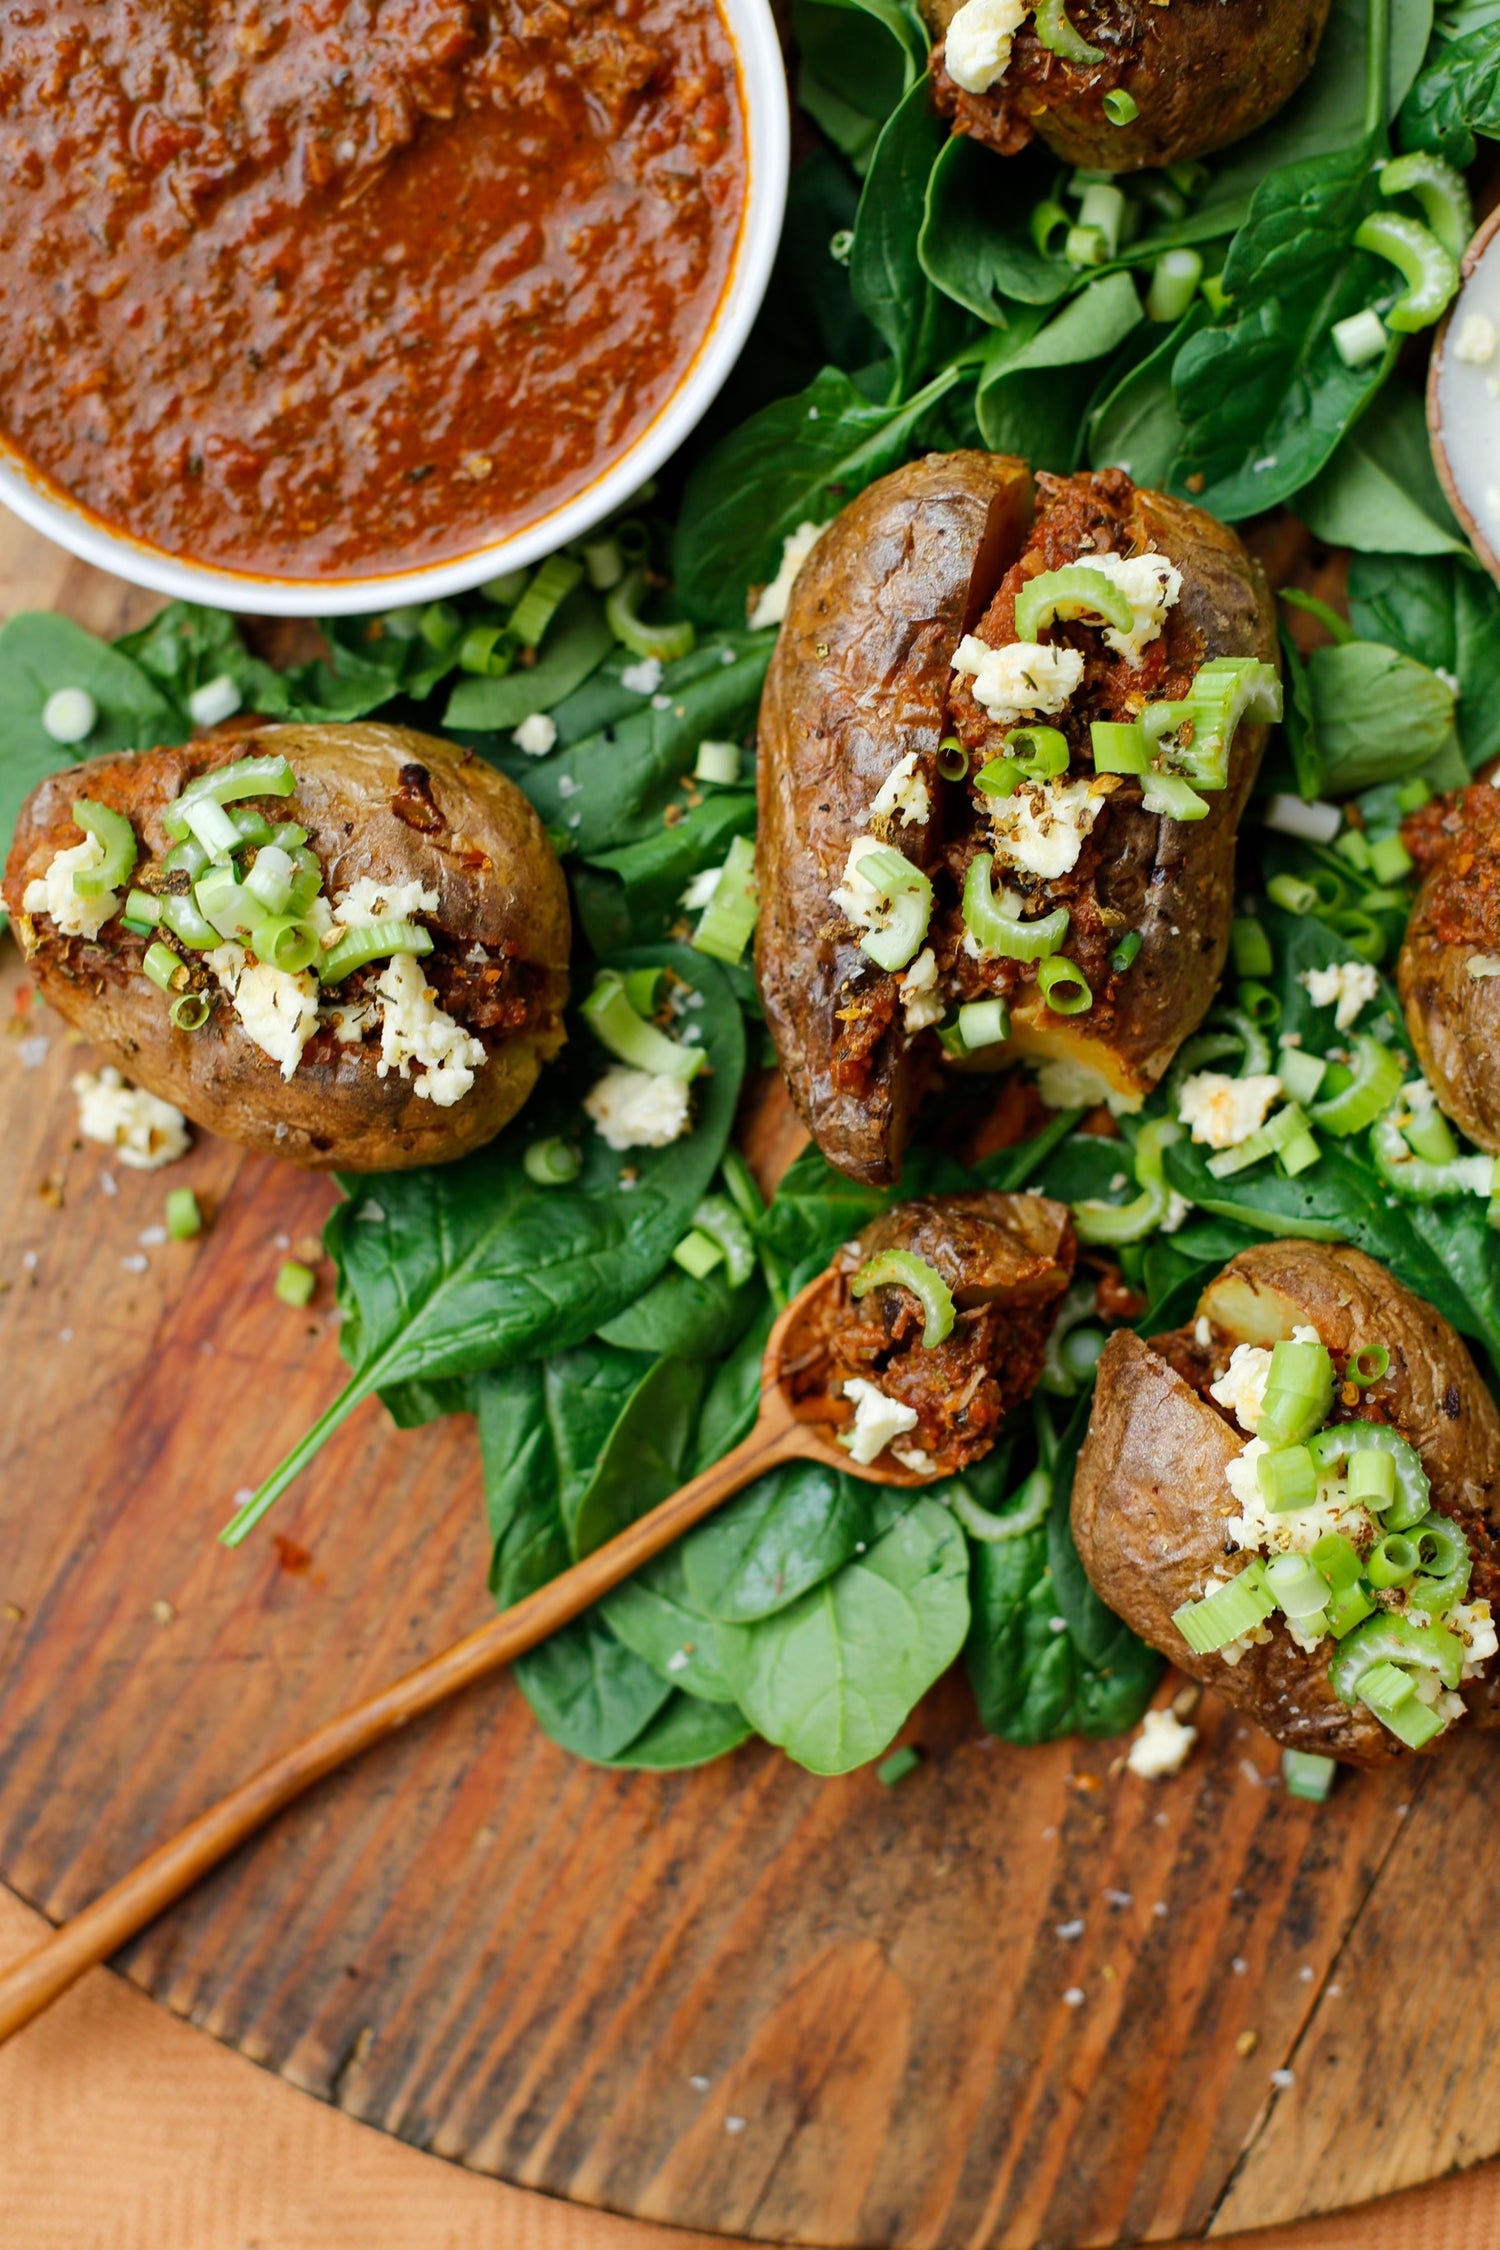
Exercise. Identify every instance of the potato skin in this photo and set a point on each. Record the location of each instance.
(863, 660)
(1150, 1502)
(376, 800)
(1203, 73)
(1453, 1018)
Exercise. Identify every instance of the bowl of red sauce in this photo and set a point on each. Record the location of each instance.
(316, 306)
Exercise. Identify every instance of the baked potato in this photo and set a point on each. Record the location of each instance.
(386, 1065)
(1200, 73)
(1165, 1494)
(894, 698)
(935, 1322)
(1449, 970)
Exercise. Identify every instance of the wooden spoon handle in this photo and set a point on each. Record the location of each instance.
(31, 1984)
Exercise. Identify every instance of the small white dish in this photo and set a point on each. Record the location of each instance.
(762, 75)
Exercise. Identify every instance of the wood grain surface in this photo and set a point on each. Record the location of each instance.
(742, 2000)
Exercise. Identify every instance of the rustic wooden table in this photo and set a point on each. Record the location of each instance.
(1025, 1998)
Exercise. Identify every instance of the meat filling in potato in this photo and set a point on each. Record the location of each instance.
(1449, 972)
(936, 1324)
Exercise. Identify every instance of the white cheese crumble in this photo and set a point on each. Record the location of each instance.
(1065, 1083)
(902, 791)
(53, 892)
(977, 48)
(635, 1109)
(1222, 1111)
(1351, 984)
(1295, 1532)
(414, 1029)
(1242, 1386)
(1162, 1745)
(770, 604)
(1151, 585)
(373, 899)
(1020, 679)
(877, 1419)
(1476, 341)
(643, 678)
(536, 735)
(1474, 1624)
(701, 889)
(921, 1002)
(278, 1011)
(143, 1131)
(1041, 829)
(864, 903)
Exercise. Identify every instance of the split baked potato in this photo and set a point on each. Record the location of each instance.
(414, 1056)
(1157, 1523)
(1449, 970)
(1200, 73)
(881, 726)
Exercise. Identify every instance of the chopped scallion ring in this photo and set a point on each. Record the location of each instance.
(697, 1254)
(1123, 109)
(162, 966)
(729, 918)
(550, 588)
(1333, 1448)
(551, 1163)
(1307, 1775)
(953, 760)
(1368, 1364)
(717, 1218)
(666, 642)
(281, 941)
(190, 1011)
(295, 1284)
(1064, 986)
(184, 1219)
(629, 1038)
(1298, 1393)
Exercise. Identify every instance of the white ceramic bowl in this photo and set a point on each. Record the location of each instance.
(763, 84)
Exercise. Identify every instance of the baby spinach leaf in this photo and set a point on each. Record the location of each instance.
(1297, 722)
(577, 643)
(1457, 94)
(1023, 404)
(695, 1319)
(1380, 492)
(627, 897)
(458, 1267)
(795, 462)
(654, 1614)
(857, 59)
(1135, 427)
(590, 1694)
(787, 1532)
(1377, 715)
(889, 285)
(528, 1542)
(685, 1732)
(411, 1405)
(975, 238)
(1442, 612)
(39, 653)
(734, 1394)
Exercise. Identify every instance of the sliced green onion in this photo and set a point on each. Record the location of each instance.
(1123, 109)
(225, 902)
(287, 836)
(1288, 1481)
(1388, 1691)
(1372, 1480)
(1228, 1614)
(1390, 861)
(1064, 986)
(246, 777)
(1274, 1138)
(1378, 1074)
(190, 1011)
(1086, 246)
(906, 905)
(1299, 1587)
(1027, 1511)
(552, 1162)
(604, 563)
(1049, 220)
(1188, 176)
(69, 715)
(1174, 284)
(403, 624)
(377, 942)
(550, 588)
(643, 989)
(1413, 795)
(1214, 294)
(440, 626)
(181, 915)
(1292, 895)
(1354, 847)
(1258, 1002)
(1081, 1352)
(1072, 591)
(697, 1254)
(184, 1219)
(1105, 209)
(729, 918)
(1172, 798)
(903, 1269)
(1429, 270)
(1301, 1074)
(115, 837)
(1418, 1179)
(1250, 947)
(1125, 952)
(628, 1037)
(1307, 1775)
(718, 1218)
(952, 760)
(1030, 754)
(898, 1765)
(187, 858)
(142, 910)
(1056, 32)
(1337, 1558)
(1429, 1135)
(1368, 1365)
(270, 879)
(281, 941)
(1119, 747)
(506, 590)
(994, 931)
(1391, 1561)
(1442, 192)
(666, 642)
(486, 651)
(718, 762)
(1360, 338)
(1299, 1391)
(162, 966)
(1119, 1223)
(295, 1284)
(1444, 1565)
(983, 1023)
(1333, 1448)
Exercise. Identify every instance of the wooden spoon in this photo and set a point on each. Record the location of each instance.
(788, 1428)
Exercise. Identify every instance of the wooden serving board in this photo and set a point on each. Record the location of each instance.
(1024, 1998)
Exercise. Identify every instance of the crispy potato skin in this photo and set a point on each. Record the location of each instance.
(1453, 1018)
(376, 800)
(1203, 73)
(1150, 1503)
(862, 664)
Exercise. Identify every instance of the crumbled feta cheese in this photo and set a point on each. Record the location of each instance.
(351, 1021)
(701, 889)
(143, 1131)
(371, 899)
(902, 791)
(1151, 585)
(278, 1011)
(977, 48)
(877, 1419)
(1242, 1386)
(770, 603)
(644, 677)
(1476, 340)
(1179, 1207)
(921, 1002)
(1294, 1533)
(1019, 680)
(1306, 1636)
(1419, 1097)
(414, 1029)
(53, 893)
(913, 1457)
(864, 903)
(1162, 1745)
(1041, 829)
(536, 735)
(1474, 1624)
(1352, 984)
(1223, 1111)
(1203, 1332)
(1480, 965)
(1065, 1083)
(634, 1109)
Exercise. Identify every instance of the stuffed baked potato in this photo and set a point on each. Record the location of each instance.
(1449, 971)
(1199, 73)
(1384, 1550)
(412, 913)
(1001, 767)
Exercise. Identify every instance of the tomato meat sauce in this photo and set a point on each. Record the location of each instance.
(338, 287)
